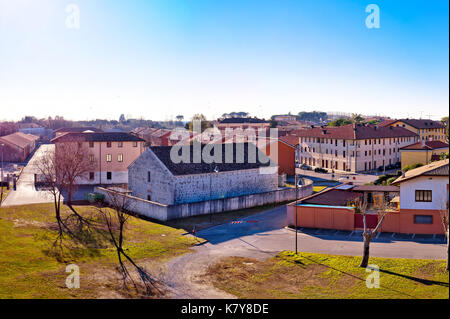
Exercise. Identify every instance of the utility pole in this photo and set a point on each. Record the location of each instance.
(1, 185)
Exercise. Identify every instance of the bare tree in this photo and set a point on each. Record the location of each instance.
(368, 234)
(75, 161)
(52, 177)
(444, 218)
(116, 219)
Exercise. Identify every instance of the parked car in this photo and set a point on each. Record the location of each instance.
(320, 170)
(305, 167)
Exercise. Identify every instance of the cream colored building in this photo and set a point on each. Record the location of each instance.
(353, 148)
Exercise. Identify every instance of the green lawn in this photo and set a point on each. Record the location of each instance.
(319, 276)
(32, 268)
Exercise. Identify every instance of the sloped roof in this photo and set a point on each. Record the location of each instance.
(79, 129)
(290, 139)
(98, 137)
(333, 197)
(163, 154)
(439, 168)
(428, 145)
(19, 139)
(355, 132)
(421, 124)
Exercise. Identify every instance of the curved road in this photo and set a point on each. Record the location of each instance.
(264, 235)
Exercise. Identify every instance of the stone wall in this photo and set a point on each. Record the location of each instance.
(202, 187)
(166, 212)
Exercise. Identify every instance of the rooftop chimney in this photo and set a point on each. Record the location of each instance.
(403, 174)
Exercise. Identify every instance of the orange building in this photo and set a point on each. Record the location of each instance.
(285, 157)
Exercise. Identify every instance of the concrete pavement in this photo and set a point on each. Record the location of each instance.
(25, 192)
(264, 235)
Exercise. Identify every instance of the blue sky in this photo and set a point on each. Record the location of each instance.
(160, 58)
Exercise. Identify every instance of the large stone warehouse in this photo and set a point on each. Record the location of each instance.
(154, 176)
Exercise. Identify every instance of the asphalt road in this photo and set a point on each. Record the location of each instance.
(25, 192)
(264, 235)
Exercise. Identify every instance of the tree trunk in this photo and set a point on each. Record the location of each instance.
(447, 248)
(365, 259)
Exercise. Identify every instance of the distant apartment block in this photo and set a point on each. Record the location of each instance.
(111, 152)
(354, 148)
(17, 146)
(426, 129)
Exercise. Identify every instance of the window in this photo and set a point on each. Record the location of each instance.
(120, 157)
(108, 144)
(108, 175)
(120, 144)
(423, 219)
(91, 144)
(149, 198)
(134, 144)
(148, 176)
(91, 158)
(91, 176)
(108, 157)
(423, 196)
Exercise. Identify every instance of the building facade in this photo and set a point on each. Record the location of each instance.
(111, 154)
(423, 152)
(18, 146)
(154, 176)
(424, 194)
(426, 129)
(353, 148)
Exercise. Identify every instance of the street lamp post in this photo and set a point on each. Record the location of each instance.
(216, 170)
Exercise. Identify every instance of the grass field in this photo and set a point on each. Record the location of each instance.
(319, 276)
(32, 268)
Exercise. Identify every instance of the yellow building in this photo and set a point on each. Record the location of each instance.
(426, 129)
(423, 152)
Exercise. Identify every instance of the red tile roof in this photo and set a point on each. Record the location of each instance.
(355, 132)
(97, 137)
(19, 139)
(428, 145)
(290, 139)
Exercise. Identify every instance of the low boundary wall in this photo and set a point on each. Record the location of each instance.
(167, 212)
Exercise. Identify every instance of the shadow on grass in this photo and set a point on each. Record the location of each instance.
(361, 279)
(419, 280)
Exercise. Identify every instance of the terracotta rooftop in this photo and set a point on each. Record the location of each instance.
(428, 145)
(290, 139)
(355, 132)
(439, 168)
(19, 139)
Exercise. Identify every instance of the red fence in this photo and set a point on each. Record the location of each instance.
(371, 220)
